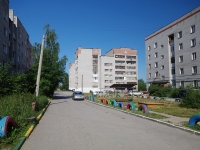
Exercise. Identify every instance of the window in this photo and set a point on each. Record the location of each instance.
(155, 45)
(192, 29)
(162, 77)
(194, 70)
(180, 46)
(180, 58)
(173, 71)
(193, 42)
(156, 64)
(149, 75)
(5, 32)
(161, 46)
(195, 83)
(18, 46)
(182, 83)
(180, 34)
(149, 66)
(194, 56)
(156, 74)
(4, 48)
(149, 57)
(5, 15)
(162, 67)
(149, 48)
(162, 56)
(18, 59)
(181, 71)
(156, 54)
(107, 64)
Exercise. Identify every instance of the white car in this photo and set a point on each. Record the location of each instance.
(135, 93)
(98, 92)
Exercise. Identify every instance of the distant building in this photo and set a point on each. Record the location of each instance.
(96, 72)
(14, 40)
(173, 52)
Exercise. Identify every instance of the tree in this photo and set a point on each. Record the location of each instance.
(141, 85)
(65, 82)
(53, 68)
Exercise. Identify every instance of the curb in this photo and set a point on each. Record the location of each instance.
(29, 131)
(155, 120)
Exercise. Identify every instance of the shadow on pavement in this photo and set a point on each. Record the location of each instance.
(58, 102)
(57, 97)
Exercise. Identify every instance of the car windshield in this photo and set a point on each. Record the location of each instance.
(77, 92)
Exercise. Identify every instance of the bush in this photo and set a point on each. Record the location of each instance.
(191, 99)
(19, 106)
(41, 102)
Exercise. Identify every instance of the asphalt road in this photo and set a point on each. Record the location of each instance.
(81, 125)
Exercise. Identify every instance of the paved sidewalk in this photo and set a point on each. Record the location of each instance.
(178, 121)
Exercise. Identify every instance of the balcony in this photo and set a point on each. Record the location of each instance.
(95, 75)
(95, 81)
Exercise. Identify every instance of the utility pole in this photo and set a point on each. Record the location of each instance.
(39, 67)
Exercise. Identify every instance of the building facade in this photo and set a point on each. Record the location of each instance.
(15, 45)
(173, 52)
(95, 72)
(4, 31)
(85, 70)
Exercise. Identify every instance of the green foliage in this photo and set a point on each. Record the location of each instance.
(41, 102)
(65, 82)
(192, 98)
(160, 91)
(141, 85)
(19, 107)
(53, 68)
(12, 83)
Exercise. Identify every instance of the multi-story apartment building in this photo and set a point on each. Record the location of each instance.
(173, 52)
(4, 31)
(96, 72)
(119, 66)
(16, 47)
(85, 70)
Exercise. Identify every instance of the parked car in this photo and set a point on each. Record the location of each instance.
(135, 93)
(78, 95)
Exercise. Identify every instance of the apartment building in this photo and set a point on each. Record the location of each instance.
(94, 71)
(173, 52)
(119, 67)
(16, 47)
(85, 70)
(4, 31)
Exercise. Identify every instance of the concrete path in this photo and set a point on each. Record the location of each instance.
(75, 125)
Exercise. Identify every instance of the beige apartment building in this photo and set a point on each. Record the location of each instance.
(96, 72)
(173, 52)
(15, 45)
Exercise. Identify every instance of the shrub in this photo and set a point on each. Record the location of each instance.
(41, 102)
(191, 99)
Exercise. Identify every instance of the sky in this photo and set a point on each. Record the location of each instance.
(103, 24)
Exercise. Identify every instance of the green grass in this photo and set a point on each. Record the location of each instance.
(18, 106)
(195, 127)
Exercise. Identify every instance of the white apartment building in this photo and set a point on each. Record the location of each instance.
(84, 73)
(173, 52)
(96, 72)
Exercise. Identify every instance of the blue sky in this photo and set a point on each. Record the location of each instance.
(104, 24)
